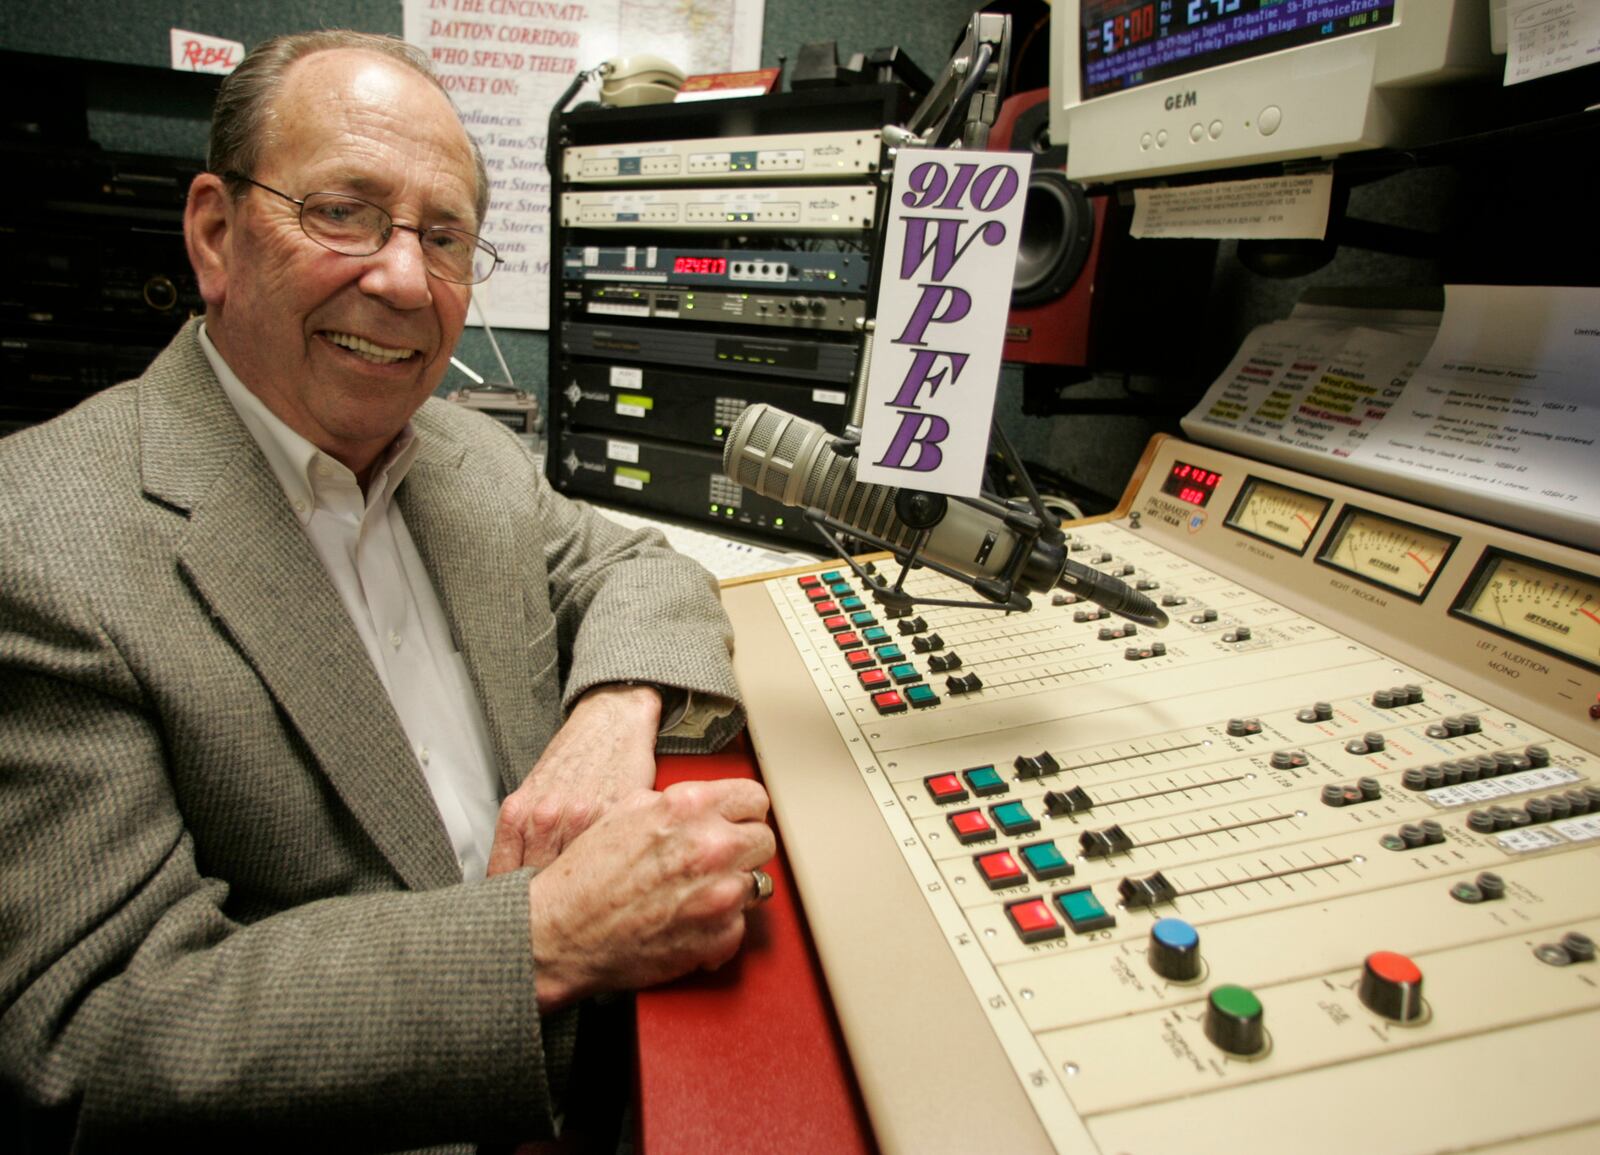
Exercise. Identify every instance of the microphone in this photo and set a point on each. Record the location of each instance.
(793, 461)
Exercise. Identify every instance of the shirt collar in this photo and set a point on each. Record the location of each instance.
(292, 458)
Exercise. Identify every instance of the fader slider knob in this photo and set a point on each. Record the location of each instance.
(1391, 986)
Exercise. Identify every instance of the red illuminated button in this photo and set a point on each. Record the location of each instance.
(824, 609)
(999, 869)
(837, 624)
(890, 702)
(848, 641)
(1391, 985)
(945, 788)
(817, 594)
(1033, 921)
(809, 582)
(971, 826)
(873, 679)
(859, 659)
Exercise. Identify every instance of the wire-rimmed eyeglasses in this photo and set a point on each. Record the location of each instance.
(358, 228)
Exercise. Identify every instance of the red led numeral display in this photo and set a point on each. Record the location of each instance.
(1191, 483)
(709, 266)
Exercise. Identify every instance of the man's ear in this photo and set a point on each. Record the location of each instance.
(207, 229)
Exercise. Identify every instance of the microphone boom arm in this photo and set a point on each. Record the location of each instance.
(894, 596)
(923, 511)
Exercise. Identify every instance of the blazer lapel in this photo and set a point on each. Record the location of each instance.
(468, 545)
(250, 561)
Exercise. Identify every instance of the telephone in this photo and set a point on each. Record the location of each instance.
(643, 78)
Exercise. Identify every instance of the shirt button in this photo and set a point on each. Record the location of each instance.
(394, 639)
(299, 506)
(422, 755)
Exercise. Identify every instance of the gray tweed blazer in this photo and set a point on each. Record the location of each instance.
(230, 916)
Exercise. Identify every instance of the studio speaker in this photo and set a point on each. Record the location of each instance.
(1053, 293)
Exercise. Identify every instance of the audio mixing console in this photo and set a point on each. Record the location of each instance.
(1315, 868)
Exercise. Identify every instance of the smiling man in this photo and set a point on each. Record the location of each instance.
(329, 729)
(343, 351)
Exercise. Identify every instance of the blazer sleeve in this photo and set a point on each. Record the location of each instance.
(132, 1003)
(630, 608)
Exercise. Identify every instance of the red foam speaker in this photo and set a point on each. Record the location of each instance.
(1053, 298)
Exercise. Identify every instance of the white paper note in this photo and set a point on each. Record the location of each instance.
(1495, 413)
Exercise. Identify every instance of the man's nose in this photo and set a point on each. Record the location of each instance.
(398, 273)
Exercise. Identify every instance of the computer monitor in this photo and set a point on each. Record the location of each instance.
(1143, 88)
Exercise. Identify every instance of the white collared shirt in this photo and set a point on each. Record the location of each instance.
(364, 544)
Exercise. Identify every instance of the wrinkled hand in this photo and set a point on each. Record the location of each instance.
(654, 889)
(604, 752)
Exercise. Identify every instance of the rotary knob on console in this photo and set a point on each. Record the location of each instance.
(1234, 1020)
(1391, 986)
(1174, 950)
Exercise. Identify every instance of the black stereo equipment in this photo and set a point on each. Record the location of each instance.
(694, 408)
(698, 349)
(98, 278)
(670, 478)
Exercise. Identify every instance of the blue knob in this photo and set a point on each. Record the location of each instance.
(1174, 951)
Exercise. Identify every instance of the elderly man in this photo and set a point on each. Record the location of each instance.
(328, 730)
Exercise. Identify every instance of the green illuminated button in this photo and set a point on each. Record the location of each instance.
(863, 618)
(890, 653)
(903, 673)
(921, 696)
(984, 780)
(852, 605)
(1044, 860)
(1083, 911)
(1011, 817)
(1234, 1020)
(832, 576)
(875, 635)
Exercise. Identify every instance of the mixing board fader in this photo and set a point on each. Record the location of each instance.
(1084, 885)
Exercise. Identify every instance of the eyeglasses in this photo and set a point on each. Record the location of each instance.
(358, 228)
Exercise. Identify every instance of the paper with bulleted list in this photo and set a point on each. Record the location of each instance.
(1491, 409)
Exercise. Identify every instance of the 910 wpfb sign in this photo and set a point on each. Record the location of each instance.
(948, 262)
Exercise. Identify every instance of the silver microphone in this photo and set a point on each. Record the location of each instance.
(793, 461)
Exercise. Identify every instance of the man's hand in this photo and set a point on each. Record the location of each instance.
(604, 752)
(654, 889)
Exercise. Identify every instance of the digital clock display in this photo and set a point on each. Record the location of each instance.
(1191, 483)
(704, 266)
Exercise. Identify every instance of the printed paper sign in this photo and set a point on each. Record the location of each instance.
(1271, 208)
(197, 52)
(948, 262)
(506, 62)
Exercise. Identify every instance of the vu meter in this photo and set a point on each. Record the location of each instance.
(1276, 513)
(1551, 608)
(1394, 554)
